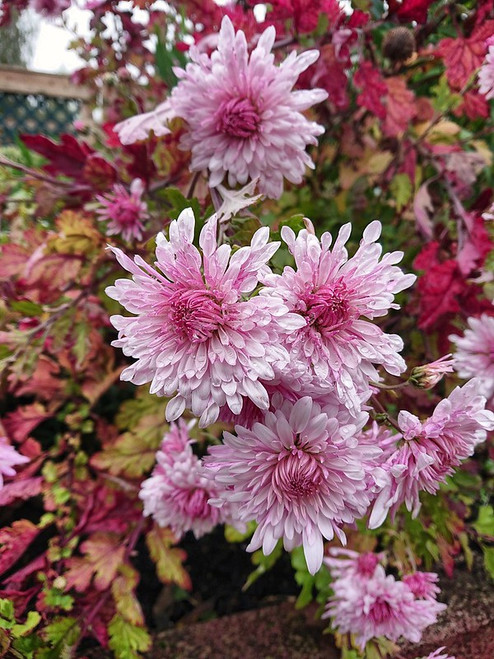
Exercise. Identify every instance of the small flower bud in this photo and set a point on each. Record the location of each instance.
(428, 375)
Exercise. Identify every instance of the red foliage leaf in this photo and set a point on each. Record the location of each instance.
(462, 56)
(104, 553)
(23, 420)
(67, 158)
(99, 173)
(43, 383)
(13, 260)
(410, 10)
(400, 107)
(14, 540)
(330, 75)
(20, 489)
(474, 105)
(373, 88)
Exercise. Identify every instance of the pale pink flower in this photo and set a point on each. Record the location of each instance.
(379, 605)
(49, 7)
(486, 73)
(8, 459)
(430, 450)
(300, 474)
(177, 493)
(349, 564)
(474, 356)
(124, 211)
(244, 120)
(195, 336)
(428, 375)
(335, 295)
(436, 655)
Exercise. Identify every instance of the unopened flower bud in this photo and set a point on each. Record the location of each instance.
(428, 375)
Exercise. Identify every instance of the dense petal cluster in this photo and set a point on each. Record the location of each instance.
(195, 335)
(9, 458)
(300, 474)
(177, 493)
(486, 73)
(336, 296)
(244, 120)
(369, 603)
(429, 450)
(49, 7)
(474, 356)
(124, 211)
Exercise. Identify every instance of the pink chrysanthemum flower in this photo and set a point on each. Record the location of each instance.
(124, 211)
(474, 356)
(349, 564)
(436, 654)
(486, 73)
(8, 459)
(430, 450)
(423, 584)
(195, 336)
(379, 605)
(300, 474)
(334, 295)
(244, 119)
(177, 493)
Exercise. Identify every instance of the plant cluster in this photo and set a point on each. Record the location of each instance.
(182, 347)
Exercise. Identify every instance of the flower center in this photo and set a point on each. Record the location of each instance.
(194, 503)
(327, 308)
(296, 475)
(237, 118)
(381, 611)
(127, 213)
(195, 314)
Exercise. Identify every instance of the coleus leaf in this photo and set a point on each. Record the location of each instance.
(14, 540)
(123, 590)
(77, 235)
(400, 107)
(126, 639)
(67, 158)
(373, 88)
(409, 10)
(463, 55)
(103, 555)
(23, 420)
(20, 489)
(167, 558)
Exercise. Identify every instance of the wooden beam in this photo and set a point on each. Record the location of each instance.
(20, 81)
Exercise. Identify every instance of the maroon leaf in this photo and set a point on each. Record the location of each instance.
(20, 423)
(410, 10)
(99, 173)
(67, 158)
(462, 56)
(20, 489)
(373, 89)
(14, 540)
(400, 107)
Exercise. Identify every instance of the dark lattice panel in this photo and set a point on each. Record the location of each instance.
(35, 113)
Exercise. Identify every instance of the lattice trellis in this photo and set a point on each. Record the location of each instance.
(35, 113)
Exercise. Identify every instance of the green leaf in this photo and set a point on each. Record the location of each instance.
(126, 640)
(401, 188)
(32, 620)
(82, 344)
(164, 61)
(485, 521)
(233, 535)
(6, 609)
(489, 560)
(168, 559)
(123, 590)
(27, 308)
(61, 634)
(179, 203)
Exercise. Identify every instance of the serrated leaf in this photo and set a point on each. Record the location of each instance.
(123, 590)
(6, 609)
(61, 632)
(167, 558)
(32, 620)
(103, 555)
(14, 541)
(77, 235)
(126, 640)
(128, 456)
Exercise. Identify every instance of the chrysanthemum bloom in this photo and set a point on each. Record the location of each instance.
(300, 474)
(349, 564)
(486, 73)
(50, 7)
(177, 493)
(8, 459)
(430, 450)
(423, 584)
(244, 119)
(124, 211)
(334, 295)
(474, 356)
(379, 606)
(428, 375)
(436, 655)
(195, 336)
